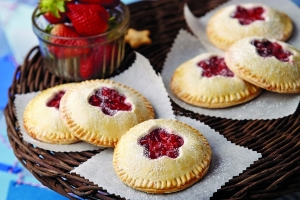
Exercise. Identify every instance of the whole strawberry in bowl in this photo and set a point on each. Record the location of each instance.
(81, 39)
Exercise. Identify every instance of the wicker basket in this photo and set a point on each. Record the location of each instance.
(278, 140)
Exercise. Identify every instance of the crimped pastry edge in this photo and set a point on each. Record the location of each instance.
(47, 136)
(89, 136)
(256, 79)
(170, 186)
(259, 81)
(222, 43)
(225, 101)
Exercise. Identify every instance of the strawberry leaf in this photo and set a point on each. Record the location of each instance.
(112, 23)
(52, 6)
(48, 28)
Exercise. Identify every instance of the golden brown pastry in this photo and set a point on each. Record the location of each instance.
(101, 111)
(42, 119)
(234, 22)
(266, 63)
(161, 156)
(206, 81)
(137, 38)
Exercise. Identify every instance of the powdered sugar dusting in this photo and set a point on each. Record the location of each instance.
(189, 156)
(195, 82)
(271, 26)
(21, 102)
(228, 160)
(274, 105)
(198, 25)
(110, 101)
(161, 105)
(269, 67)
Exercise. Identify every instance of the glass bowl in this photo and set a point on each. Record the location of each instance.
(97, 57)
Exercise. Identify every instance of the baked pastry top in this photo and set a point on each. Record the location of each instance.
(206, 81)
(161, 156)
(42, 118)
(267, 63)
(234, 22)
(101, 111)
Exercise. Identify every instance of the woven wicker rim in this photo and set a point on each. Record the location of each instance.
(278, 140)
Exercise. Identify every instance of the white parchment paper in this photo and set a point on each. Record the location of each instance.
(228, 160)
(268, 105)
(139, 76)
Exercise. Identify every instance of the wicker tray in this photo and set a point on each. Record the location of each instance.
(275, 174)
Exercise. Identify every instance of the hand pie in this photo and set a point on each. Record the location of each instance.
(101, 111)
(161, 156)
(206, 81)
(266, 63)
(42, 119)
(234, 22)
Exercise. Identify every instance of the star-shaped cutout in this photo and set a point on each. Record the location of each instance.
(248, 15)
(110, 101)
(265, 48)
(55, 100)
(160, 143)
(137, 38)
(215, 66)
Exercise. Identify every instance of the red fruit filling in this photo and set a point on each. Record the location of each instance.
(215, 66)
(160, 143)
(247, 16)
(110, 101)
(55, 101)
(265, 48)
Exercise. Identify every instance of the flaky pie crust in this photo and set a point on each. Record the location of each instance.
(223, 31)
(164, 174)
(189, 86)
(44, 123)
(90, 124)
(265, 72)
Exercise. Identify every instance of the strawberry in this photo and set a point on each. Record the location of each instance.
(53, 10)
(103, 56)
(63, 48)
(86, 66)
(100, 56)
(104, 3)
(88, 19)
(52, 19)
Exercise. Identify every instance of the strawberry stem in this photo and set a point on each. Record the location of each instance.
(112, 23)
(48, 28)
(53, 6)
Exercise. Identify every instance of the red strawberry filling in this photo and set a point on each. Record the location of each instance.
(160, 143)
(110, 101)
(215, 66)
(247, 16)
(55, 100)
(265, 48)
